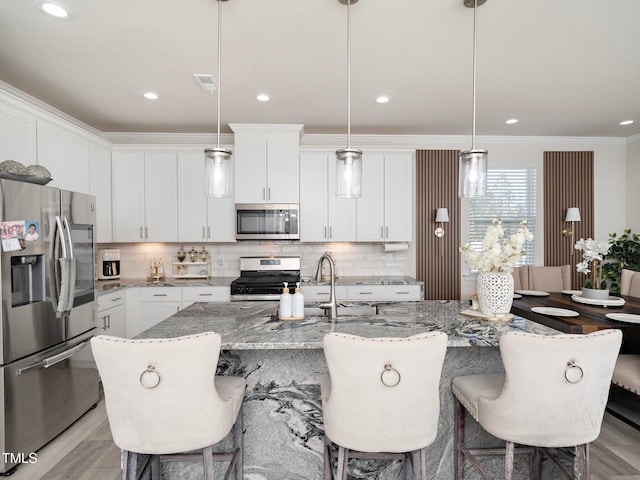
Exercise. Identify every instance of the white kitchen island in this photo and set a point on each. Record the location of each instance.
(283, 363)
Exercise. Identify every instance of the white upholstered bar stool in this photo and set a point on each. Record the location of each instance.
(553, 394)
(163, 399)
(381, 398)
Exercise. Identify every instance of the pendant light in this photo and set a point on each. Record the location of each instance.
(348, 160)
(472, 180)
(217, 160)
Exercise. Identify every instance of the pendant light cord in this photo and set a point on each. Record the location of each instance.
(219, 63)
(473, 122)
(349, 74)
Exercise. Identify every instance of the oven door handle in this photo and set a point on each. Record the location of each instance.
(54, 359)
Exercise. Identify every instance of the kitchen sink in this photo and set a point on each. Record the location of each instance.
(344, 310)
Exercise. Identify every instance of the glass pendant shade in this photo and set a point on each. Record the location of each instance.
(217, 172)
(472, 177)
(348, 173)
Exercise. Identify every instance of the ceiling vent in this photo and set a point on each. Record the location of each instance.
(206, 81)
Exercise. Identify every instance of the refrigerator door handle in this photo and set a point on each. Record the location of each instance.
(60, 233)
(69, 240)
(71, 284)
(49, 362)
(60, 274)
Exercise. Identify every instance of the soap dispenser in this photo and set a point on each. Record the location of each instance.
(297, 306)
(284, 310)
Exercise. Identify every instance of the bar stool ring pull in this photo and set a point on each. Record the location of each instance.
(152, 377)
(573, 373)
(392, 376)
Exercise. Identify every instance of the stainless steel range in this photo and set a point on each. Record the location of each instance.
(262, 278)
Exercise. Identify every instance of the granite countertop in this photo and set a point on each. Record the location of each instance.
(368, 280)
(108, 286)
(252, 325)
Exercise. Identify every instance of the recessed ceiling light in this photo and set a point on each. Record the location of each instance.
(511, 121)
(150, 96)
(263, 97)
(383, 99)
(54, 9)
(626, 122)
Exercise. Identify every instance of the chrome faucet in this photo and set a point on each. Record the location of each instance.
(331, 306)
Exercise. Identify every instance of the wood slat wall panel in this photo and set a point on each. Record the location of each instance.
(438, 259)
(568, 182)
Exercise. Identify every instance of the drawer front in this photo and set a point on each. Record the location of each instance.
(161, 294)
(320, 293)
(206, 294)
(389, 293)
(111, 300)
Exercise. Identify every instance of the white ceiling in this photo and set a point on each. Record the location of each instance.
(563, 67)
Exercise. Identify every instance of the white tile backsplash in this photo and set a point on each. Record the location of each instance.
(351, 259)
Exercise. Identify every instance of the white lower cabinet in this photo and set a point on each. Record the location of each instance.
(320, 293)
(156, 304)
(205, 294)
(363, 293)
(388, 293)
(151, 305)
(112, 314)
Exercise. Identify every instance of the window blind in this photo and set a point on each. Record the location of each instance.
(511, 197)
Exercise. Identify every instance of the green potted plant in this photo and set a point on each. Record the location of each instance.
(624, 253)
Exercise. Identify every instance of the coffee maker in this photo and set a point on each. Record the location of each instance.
(108, 264)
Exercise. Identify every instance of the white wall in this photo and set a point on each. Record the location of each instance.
(633, 184)
(610, 165)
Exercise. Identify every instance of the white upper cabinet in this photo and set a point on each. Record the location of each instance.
(398, 202)
(100, 187)
(192, 204)
(266, 163)
(323, 216)
(201, 218)
(66, 155)
(145, 197)
(17, 135)
(384, 210)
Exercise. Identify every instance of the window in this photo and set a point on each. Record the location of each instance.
(511, 197)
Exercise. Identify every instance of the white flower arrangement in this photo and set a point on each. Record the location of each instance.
(498, 254)
(593, 254)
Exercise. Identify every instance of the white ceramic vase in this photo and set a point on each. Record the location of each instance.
(495, 293)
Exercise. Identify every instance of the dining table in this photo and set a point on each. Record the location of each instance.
(590, 317)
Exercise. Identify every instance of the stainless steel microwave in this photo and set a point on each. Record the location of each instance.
(267, 221)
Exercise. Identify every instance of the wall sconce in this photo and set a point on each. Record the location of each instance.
(573, 215)
(442, 216)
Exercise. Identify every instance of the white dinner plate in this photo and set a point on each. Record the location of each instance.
(532, 293)
(572, 292)
(624, 317)
(517, 295)
(610, 302)
(555, 312)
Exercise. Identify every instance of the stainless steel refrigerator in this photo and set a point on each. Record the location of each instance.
(48, 315)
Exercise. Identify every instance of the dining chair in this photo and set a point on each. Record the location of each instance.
(553, 394)
(550, 279)
(381, 399)
(629, 283)
(521, 277)
(164, 399)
